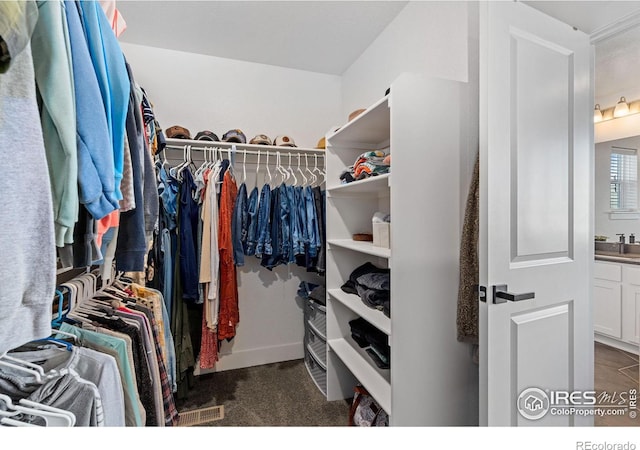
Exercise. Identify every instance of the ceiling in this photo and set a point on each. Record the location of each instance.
(318, 36)
(587, 16)
(327, 36)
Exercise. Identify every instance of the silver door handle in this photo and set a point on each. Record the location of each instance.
(500, 295)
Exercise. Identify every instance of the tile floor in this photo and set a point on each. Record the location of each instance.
(609, 378)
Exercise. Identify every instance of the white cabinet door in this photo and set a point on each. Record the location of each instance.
(631, 314)
(536, 148)
(607, 307)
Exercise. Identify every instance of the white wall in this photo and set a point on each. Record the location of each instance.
(205, 92)
(426, 37)
(603, 224)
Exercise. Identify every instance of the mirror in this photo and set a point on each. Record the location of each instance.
(616, 187)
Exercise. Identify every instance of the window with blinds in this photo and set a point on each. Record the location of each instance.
(624, 179)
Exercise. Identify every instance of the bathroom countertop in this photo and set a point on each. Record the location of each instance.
(627, 258)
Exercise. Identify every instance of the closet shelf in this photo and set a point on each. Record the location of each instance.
(376, 381)
(178, 144)
(369, 185)
(353, 302)
(361, 246)
(372, 126)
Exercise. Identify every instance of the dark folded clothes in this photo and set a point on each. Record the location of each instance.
(319, 294)
(380, 362)
(374, 341)
(372, 297)
(372, 284)
(375, 280)
(349, 287)
(364, 269)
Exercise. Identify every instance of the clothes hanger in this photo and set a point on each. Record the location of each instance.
(268, 171)
(71, 336)
(244, 166)
(53, 417)
(291, 171)
(320, 172)
(23, 366)
(231, 151)
(257, 167)
(50, 409)
(313, 176)
(304, 178)
(281, 170)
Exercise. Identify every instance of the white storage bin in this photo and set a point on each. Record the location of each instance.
(317, 345)
(317, 370)
(315, 315)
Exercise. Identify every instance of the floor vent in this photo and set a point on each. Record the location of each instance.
(201, 416)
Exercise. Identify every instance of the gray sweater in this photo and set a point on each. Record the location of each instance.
(27, 248)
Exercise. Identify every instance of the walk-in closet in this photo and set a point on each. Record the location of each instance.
(217, 216)
(288, 213)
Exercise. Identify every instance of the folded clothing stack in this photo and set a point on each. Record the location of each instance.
(366, 165)
(373, 285)
(373, 340)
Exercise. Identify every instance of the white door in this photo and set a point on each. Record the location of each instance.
(536, 232)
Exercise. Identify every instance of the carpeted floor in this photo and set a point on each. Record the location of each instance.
(279, 394)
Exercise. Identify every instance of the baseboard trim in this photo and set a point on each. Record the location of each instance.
(611, 342)
(255, 357)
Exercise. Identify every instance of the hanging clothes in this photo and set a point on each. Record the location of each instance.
(27, 260)
(54, 78)
(229, 315)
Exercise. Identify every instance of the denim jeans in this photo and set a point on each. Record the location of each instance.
(239, 225)
(284, 231)
(312, 226)
(293, 223)
(275, 234)
(264, 231)
(303, 235)
(252, 223)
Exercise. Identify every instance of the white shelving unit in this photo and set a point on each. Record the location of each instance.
(421, 124)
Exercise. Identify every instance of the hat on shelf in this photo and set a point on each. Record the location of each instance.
(322, 143)
(235, 135)
(261, 139)
(356, 113)
(177, 132)
(284, 141)
(206, 135)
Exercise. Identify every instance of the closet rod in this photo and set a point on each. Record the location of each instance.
(249, 149)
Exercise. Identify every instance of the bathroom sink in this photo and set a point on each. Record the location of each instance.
(614, 251)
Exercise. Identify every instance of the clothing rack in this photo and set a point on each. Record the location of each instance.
(248, 149)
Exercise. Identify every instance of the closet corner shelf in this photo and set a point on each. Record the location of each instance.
(353, 302)
(376, 381)
(361, 246)
(372, 126)
(366, 186)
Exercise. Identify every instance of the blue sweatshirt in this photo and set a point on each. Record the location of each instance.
(109, 65)
(96, 179)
